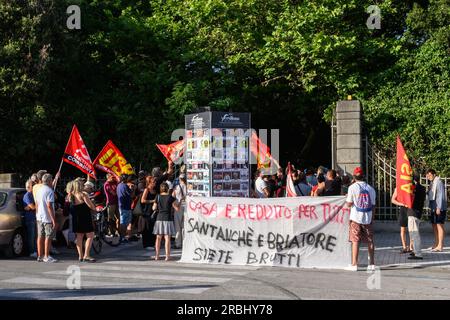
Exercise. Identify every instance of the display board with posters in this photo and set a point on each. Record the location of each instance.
(230, 154)
(217, 154)
(198, 154)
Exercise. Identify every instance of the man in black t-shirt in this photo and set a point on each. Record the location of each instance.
(414, 216)
(332, 184)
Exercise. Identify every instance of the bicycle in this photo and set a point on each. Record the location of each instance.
(102, 230)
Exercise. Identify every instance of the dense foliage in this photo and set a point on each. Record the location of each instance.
(136, 67)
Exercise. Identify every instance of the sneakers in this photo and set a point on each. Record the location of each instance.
(39, 259)
(49, 259)
(413, 256)
(33, 255)
(371, 267)
(351, 268)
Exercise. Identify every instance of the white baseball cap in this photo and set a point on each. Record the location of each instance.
(89, 184)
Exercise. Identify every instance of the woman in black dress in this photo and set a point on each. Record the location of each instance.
(147, 201)
(164, 226)
(82, 220)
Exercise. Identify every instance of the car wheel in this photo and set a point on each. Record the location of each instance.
(17, 245)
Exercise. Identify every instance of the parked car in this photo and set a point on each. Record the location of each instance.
(12, 227)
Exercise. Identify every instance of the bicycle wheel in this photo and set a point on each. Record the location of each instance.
(97, 244)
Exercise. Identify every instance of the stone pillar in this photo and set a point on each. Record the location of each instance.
(349, 147)
(9, 180)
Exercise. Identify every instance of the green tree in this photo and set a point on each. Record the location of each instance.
(413, 96)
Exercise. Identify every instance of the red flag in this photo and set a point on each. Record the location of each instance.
(290, 188)
(405, 187)
(77, 155)
(111, 160)
(261, 151)
(173, 151)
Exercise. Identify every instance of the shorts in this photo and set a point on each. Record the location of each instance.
(125, 216)
(438, 219)
(45, 230)
(113, 212)
(360, 232)
(403, 217)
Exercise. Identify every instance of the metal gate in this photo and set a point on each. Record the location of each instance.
(381, 174)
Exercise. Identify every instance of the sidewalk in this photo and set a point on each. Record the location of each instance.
(388, 256)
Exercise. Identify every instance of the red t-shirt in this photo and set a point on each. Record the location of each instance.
(111, 192)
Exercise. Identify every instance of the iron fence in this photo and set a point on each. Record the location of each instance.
(381, 174)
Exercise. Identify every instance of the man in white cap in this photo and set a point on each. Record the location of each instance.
(361, 198)
(89, 189)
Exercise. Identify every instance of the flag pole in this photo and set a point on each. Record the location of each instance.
(55, 181)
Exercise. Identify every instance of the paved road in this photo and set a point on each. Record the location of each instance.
(126, 272)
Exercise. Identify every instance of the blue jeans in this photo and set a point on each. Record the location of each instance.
(31, 235)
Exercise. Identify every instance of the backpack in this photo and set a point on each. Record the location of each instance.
(363, 202)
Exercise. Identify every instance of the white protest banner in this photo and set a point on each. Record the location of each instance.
(299, 232)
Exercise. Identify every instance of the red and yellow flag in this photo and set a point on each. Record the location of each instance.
(77, 155)
(173, 151)
(111, 160)
(404, 182)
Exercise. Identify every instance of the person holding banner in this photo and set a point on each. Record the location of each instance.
(361, 199)
(437, 197)
(164, 226)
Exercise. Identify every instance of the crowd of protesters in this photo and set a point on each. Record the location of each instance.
(147, 206)
(150, 206)
(307, 182)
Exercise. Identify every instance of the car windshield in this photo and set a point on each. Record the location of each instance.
(3, 196)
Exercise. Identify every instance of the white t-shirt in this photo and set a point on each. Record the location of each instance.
(170, 184)
(44, 195)
(352, 196)
(260, 185)
(178, 194)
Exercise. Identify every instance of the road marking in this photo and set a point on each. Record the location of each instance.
(127, 275)
(176, 270)
(139, 287)
(416, 264)
(183, 264)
